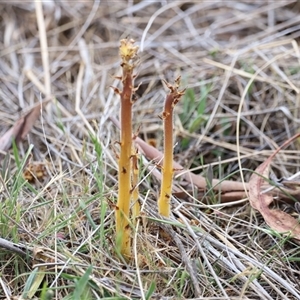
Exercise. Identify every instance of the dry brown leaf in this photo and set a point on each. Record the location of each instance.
(258, 200)
(276, 219)
(35, 171)
(22, 127)
(283, 222)
(6, 139)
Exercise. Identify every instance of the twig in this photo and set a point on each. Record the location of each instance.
(14, 247)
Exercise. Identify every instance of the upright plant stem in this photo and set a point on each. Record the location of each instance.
(167, 171)
(127, 53)
(136, 208)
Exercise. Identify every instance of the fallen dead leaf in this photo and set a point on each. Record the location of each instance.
(276, 219)
(6, 139)
(22, 127)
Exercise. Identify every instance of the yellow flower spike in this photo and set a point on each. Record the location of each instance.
(127, 50)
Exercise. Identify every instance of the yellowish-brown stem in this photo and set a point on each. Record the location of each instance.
(167, 170)
(135, 193)
(123, 239)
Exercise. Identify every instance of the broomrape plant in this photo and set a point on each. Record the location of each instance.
(167, 170)
(128, 54)
(128, 160)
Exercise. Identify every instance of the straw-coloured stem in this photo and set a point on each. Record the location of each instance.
(167, 170)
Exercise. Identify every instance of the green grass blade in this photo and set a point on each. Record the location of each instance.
(150, 290)
(81, 284)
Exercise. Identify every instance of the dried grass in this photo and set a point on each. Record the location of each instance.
(69, 51)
